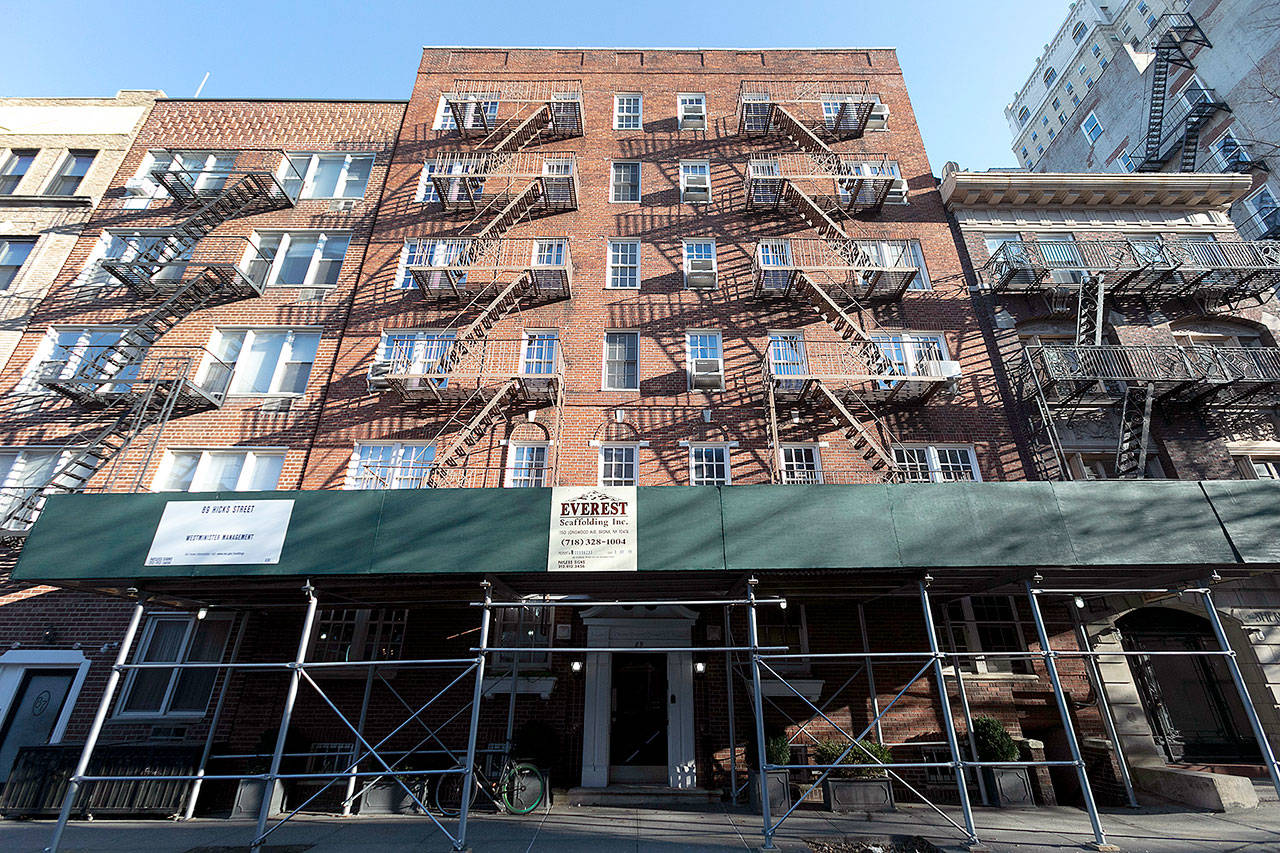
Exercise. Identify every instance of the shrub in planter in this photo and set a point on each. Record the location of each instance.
(777, 750)
(852, 786)
(1006, 786)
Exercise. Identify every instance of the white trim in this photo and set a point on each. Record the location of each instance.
(639, 96)
(635, 460)
(604, 359)
(13, 666)
(148, 631)
(639, 182)
(608, 258)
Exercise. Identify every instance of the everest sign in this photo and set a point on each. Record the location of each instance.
(593, 529)
(220, 533)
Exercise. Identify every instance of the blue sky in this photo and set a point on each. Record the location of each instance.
(963, 58)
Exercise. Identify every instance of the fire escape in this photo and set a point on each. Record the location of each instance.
(134, 383)
(485, 273)
(851, 382)
(1174, 123)
(1063, 384)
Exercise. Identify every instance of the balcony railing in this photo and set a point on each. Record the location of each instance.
(234, 266)
(858, 271)
(415, 476)
(460, 266)
(1168, 267)
(1263, 225)
(834, 181)
(838, 108)
(467, 181)
(267, 175)
(104, 375)
(481, 107)
(1193, 368)
(868, 370)
(828, 477)
(448, 370)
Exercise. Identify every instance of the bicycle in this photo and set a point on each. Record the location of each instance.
(518, 788)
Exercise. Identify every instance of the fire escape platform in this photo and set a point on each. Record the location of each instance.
(834, 182)
(490, 109)
(841, 109)
(779, 265)
(256, 174)
(471, 183)
(227, 281)
(420, 385)
(468, 266)
(169, 370)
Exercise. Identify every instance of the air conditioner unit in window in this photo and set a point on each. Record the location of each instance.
(377, 377)
(879, 118)
(943, 369)
(897, 191)
(694, 118)
(701, 274)
(707, 373)
(139, 186)
(697, 188)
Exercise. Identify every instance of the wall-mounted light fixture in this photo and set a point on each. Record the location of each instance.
(576, 666)
(699, 667)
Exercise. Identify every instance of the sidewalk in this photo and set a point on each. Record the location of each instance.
(714, 830)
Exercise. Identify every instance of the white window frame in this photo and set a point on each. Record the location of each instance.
(703, 241)
(5, 241)
(532, 658)
(611, 266)
(285, 358)
(723, 446)
(613, 182)
(367, 626)
(1084, 128)
(976, 662)
(13, 485)
(618, 115)
(166, 701)
(247, 472)
(272, 276)
(402, 469)
(11, 158)
(76, 356)
(809, 447)
(689, 358)
(514, 469)
(64, 164)
(691, 167)
(634, 447)
(444, 119)
(913, 345)
(604, 360)
(684, 99)
(934, 461)
(313, 165)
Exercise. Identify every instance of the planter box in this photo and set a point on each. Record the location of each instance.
(858, 795)
(387, 797)
(249, 798)
(779, 785)
(1008, 787)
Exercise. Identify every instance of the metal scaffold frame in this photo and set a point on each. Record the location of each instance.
(763, 662)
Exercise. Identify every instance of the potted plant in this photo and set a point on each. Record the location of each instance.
(851, 787)
(1006, 786)
(777, 750)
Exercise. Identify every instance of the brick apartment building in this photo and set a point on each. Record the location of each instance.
(717, 290)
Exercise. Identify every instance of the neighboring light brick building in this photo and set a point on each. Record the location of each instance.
(685, 286)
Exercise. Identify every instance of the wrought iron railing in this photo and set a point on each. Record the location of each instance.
(105, 372)
(1160, 364)
(447, 367)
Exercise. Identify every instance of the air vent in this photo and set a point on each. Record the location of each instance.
(312, 294)
(694, 118)
(879, 118)
(377, 377)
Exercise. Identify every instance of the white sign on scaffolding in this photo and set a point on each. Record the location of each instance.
(593, 529)
(220, 533)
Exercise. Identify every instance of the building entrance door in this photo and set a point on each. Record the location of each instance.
(638, 728)
(35, 711)
(1191, 703)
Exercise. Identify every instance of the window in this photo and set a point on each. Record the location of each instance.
(390, 465)
(1050, 133)
(205, 172)
(1050, 74)
(475, 113)
(260, 361)
(910, 352)
(1023, 115)
(296, 258)
(15, 167)
(986, 623)
(1034, 136)
(1088, 83)
(1057, 104)
(67, 350)
(695, 181)
(217, 470)
(624, 182)
(1101, 465)
(1097, 52)
(22, 472)
(1044, 120)
(1228, 154)
(709, 465)
(700, 264)
(164, 692)
(1092, 128)
(704, 360)
(787, 628)
(618, 465)
(937, 464)
(1039, 149)
(430, 253)
(692, 111)
(127, 246)
(326, 175)
(1069, 88)
(14, 252)
(1026, 155)
(627, 112)
(1075, 100)
(801, 464)
(621, 361)
(526, 465)
(358, 633)
(540, 352)
(786, 357)
(624, 264)
(1143, 8)
(1254, 467)
(418, 352)
(1078, 32)
(426, 191)
(66, 179)
(1127, 162)
(527, 627)
(898, 254)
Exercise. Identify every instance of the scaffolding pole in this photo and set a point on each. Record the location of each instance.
(286, 715)
(762, 778)
(469, 772)
(213, 722)
(948, 724)
(349, 799)
(95, 730)
(964, 707)
(1068, 729)
(733, 732)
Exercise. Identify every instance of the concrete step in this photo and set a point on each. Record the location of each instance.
(643, 796)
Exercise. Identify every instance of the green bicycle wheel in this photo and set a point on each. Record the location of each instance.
(522, 788)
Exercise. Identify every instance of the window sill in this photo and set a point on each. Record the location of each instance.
(266, 396)
(540, 685)
(157, 717)
(809, 688)
(46, 201)
(993, 676)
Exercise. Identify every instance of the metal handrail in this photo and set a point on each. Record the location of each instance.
(248, 162)
(497, 357)
(92, 369)
(1039, 256)
(852, 360)
(1194, 363)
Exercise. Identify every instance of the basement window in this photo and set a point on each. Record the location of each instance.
(987, 623)
(162, 692)
(937, 463)
(358, 633)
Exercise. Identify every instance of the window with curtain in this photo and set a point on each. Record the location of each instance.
(260, 361)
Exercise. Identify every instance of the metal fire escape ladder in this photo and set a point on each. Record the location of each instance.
(472, 432)
(477, 331)
(1170, 50)
(525, 132)
(796, 131)
(868, 443)
(775, 439)
(1135, 431)
(150, 409)
(1040, 420)
(848, 328)
(1090, 303)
